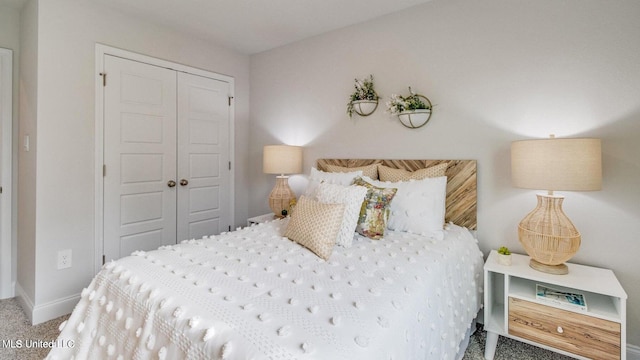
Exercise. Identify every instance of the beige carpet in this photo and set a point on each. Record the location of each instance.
(15, 327)
(17, 335)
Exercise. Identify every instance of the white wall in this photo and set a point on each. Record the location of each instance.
(67, 33)
(10, 39)
(497, 71)
(9, 27)
(26, 259)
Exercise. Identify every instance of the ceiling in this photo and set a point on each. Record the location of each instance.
(253, 26)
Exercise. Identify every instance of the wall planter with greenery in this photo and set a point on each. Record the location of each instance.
(364, 99)
(413, 110)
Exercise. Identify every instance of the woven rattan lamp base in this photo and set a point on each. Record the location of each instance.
(281, 196)
(561, 269)
(548, 236)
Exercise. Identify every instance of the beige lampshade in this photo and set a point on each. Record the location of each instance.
(557, 164)
(282, 159)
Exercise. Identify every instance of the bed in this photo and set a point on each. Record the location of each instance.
(255, 294)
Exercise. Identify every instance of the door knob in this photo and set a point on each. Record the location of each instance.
(171, 183)
(184, 182)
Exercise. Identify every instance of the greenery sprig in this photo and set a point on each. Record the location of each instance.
(504, 250)
(399, 103)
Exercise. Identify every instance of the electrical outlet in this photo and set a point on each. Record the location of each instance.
(64, 259)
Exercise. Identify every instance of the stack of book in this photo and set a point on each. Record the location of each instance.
(567, 299)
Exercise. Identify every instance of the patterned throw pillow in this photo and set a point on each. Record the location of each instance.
(352, 197)
(394, 175)
(368, 170)
(374, 213)
(315, 225)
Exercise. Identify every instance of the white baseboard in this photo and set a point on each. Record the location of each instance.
(633, 352)
(25, 301)
(40, 313)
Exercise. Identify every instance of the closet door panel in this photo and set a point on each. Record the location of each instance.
(203, 156)
(140, 157)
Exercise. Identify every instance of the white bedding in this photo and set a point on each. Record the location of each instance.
(252, 294)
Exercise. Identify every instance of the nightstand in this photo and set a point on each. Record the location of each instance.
(260, 219)
(511, 309)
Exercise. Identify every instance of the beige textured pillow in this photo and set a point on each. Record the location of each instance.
(368, 170)
(394, 175)
(315, 225)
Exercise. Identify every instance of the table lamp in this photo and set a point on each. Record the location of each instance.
(281, 159)
(546, 233)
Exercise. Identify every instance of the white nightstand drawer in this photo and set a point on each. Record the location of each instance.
(565, 330)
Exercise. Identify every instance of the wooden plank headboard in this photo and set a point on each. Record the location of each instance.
(462, 194)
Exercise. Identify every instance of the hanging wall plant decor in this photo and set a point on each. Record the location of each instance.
(413, 111)
(364, 99)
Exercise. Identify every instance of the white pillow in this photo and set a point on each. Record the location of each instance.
(316, 177)
(352, 197)
(419, 205)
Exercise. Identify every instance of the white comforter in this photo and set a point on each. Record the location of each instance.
(252, 294)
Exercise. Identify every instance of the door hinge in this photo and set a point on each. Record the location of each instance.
(230, 97)
(229, 165)
(104, 170)
(229, 227)
(104, 259)
(104, 79)
(0, 189)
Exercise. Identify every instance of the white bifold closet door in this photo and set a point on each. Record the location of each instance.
(166, 156)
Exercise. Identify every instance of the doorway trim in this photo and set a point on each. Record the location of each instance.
(101, 51)
(7, 245)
